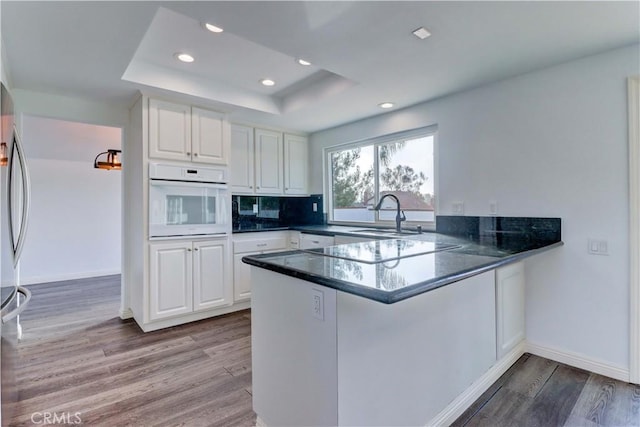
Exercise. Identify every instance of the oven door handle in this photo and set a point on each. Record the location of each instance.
(164, 182)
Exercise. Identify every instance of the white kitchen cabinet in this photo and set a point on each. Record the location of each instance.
(341, 240)
(169, 130)
(209, 142)
(510, 316)
(296, 164)
(242, 159)
(294, 240)
(180, 132)
(170, 281)
(188, 276)
(310, 241)
(211, 275)
(253, 244)
(269, 163)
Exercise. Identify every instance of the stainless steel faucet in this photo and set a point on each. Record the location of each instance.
(399, 218)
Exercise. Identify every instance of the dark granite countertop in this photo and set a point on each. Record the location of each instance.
(398, 279)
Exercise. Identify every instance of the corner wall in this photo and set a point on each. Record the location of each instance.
(547, 143)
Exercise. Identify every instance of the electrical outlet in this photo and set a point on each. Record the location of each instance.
(597, 247)
(493, 207)
(315, 207)
(457, 208)
(255, 208)
(317, 307)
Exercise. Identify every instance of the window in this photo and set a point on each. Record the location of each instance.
(401, 165)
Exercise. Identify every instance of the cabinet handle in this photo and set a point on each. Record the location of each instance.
(316, 242)
(195, 154)
(188, 153)
(195, 249)
(257, 188)
(286, 188)
(262, 245)
(251, 186)
(188, 249)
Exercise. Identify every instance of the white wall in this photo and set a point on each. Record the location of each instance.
(75, 222)
(548, 143)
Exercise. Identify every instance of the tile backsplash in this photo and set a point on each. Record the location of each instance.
(276, 211)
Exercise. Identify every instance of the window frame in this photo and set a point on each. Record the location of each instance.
(422, 132)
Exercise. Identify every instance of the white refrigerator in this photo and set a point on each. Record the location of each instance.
(14, 211)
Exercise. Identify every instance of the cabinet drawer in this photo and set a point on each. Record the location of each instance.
(270, 244)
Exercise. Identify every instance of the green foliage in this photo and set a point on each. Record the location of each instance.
(347, 177)
(403, 178)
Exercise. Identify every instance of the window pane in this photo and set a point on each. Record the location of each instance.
(352, 184)
(406, 171)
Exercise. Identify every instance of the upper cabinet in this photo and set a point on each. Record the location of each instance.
(268, 162)
(208, 140)
(184, 133)
(296, 164)
(242, 154)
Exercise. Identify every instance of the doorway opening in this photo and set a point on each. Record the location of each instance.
(73, 244)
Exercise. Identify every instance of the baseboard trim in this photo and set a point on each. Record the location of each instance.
(33, 280)
(126, 314)
(465, 399)
(260, 422)
(578, 361)
(200, 315)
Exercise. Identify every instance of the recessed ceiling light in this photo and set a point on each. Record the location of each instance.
(267, 82)
(421, 33)
(213, 28)
(302, 61)
(184, 57)
(386, 105)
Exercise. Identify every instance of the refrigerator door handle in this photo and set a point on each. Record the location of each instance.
(18, 243)
(20, 308)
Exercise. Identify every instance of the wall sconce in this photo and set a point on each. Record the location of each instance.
(111, 163)
(4, 160)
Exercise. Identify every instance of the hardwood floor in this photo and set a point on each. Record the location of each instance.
(540, 392)
(78, 356)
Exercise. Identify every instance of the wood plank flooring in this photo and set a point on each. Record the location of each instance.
(540, 392)
(78, 356)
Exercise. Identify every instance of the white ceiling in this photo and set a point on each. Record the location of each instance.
(363, 53)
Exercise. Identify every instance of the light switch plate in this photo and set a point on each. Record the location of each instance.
(255, 208)
(597, 247)
(317, 304)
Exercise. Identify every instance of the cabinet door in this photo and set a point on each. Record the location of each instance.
(241, 277)
(242, 159)
(269, 162)
(211, 275)
(169, 130)
(296, 164)
(311, 241)
(209, 143)
(170, 289)
(510, 329)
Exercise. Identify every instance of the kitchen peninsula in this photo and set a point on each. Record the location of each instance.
(391, 332)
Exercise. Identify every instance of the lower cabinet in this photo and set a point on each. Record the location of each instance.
(510, 316)
(256, 243)
(311, 241)
(188, 276)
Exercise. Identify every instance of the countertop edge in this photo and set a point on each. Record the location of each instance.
(401, 294)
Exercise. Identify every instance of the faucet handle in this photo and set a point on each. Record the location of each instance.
(403, 218)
